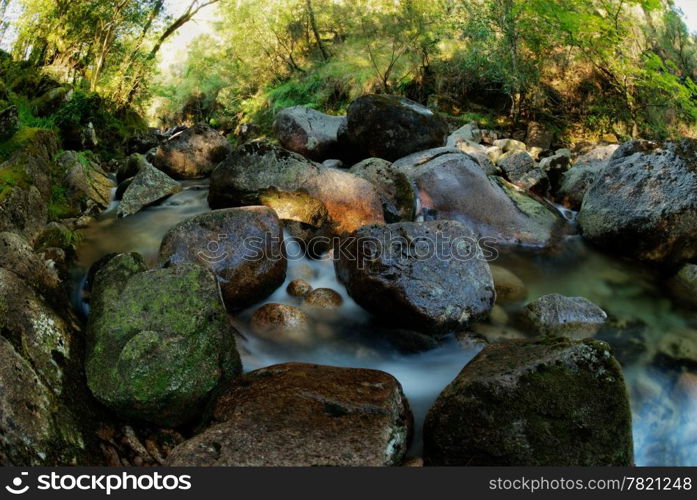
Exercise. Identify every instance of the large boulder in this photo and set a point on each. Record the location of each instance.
(452, 186)
(89, 186)
(304, 415)
(308, 132)
(158, 342)
(427, 276)
(578, 179)
(243, 247)
(390, 127)
(557, 315)
(552, 402)
(17, 255)
(46, 415)
(644, 203)
(149, 186)
(192, 153)
(48, 103)
(258, 168)
(394, 188)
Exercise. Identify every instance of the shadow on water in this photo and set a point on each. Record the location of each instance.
(642, 317)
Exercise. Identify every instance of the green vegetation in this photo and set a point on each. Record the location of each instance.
(581, 67)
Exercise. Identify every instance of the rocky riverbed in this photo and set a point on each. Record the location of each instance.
(367, 290)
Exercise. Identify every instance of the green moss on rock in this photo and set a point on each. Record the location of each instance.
(159, 341)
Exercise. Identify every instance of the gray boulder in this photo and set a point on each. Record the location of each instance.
(427, 276)
(243, 247)
(308, 132)
(580, 177)
(149, 186)
(192, 153)
(452, 186)
(644, 203)
(552, 402)
(572, 317)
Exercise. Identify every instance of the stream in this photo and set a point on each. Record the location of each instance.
(665, 423)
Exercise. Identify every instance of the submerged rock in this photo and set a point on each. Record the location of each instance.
(510, 289)
(552, 402)
(308, 132)
(281, 323)
(149, 186)
(323, 298)
(158, 342)
(304, 415)
(242, 246)
(644, 203)
(193, 153)
(684, 284)
(572, 317)
(391, 127)
(452, 186)
(299, 288)
(426, 276)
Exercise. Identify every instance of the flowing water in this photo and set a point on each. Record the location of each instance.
(665, 416)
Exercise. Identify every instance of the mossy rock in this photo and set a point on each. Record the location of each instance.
(550, 402)
(158, 342)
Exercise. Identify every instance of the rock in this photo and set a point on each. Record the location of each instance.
(352, 202)
(243, 247)
(143, 142)
(304, 415)
(520, 169)
(333, 163)
(644, 203)
(684, 284)
(193, 153)
(466, 134)
(296, 206)
(52, 100)
(554, 167)
(576, 181)
(259, 168)
(396, 192)
(9, 121)
(510, 289)
(391, 127)
(149, 186)
(47, 414)
(538, 136)
(323, 298)
(158, 342)
(80, 137)
(280, 322)
(559, 316)
(16, 255)
(677, 350)
(299, 288)
(87, 183)
(129, 167)
(308, 132)
(510, 145)
(489, 137)
(25, 184)
(451, 186)
(552, 402)
(426, 276)
(494, 153)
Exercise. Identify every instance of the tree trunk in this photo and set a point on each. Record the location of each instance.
(315, 30)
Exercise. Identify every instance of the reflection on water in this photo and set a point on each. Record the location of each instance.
(665, 418)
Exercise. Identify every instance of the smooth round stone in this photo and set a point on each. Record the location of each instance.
(299, 288)
(281, 322)
(324, 298)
